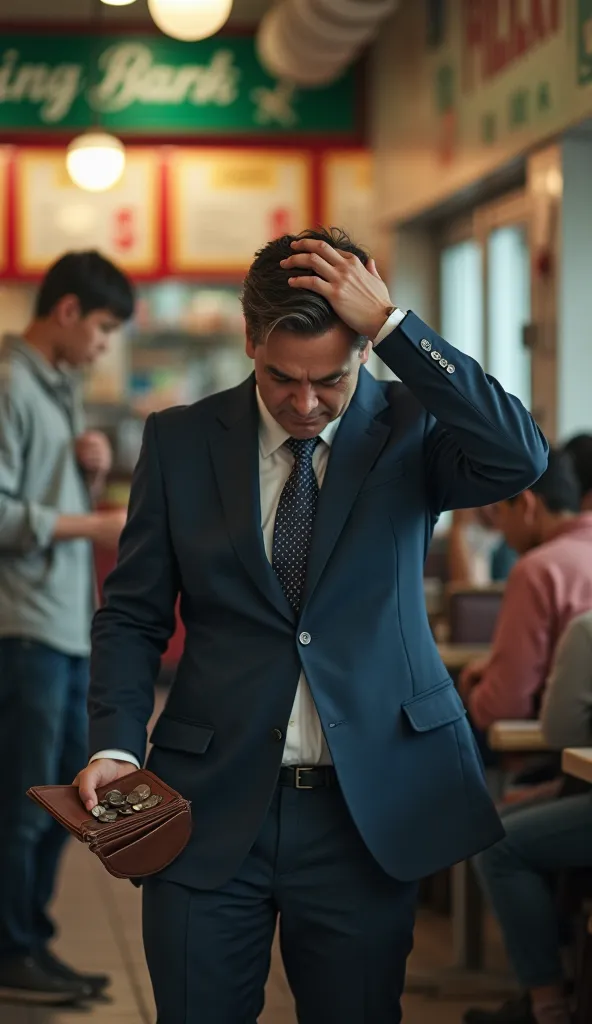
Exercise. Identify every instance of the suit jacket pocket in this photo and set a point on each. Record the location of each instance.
(180, 734)
(440, 705)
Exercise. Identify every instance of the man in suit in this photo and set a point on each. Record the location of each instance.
(311, 722)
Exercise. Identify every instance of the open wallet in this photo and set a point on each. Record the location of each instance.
(141, 824)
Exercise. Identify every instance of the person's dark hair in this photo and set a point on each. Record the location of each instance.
(558, 487)
(579, 449)
(95, 281)
(269, 301)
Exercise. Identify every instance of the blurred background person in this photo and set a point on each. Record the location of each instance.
(518, 873)
(477, 550)
(579, 449)
(51, 471)
(549, 585)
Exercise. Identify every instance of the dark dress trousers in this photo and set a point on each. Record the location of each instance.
(412, 797)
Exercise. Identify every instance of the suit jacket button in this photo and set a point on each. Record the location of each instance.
(277, 735)
(305, 638)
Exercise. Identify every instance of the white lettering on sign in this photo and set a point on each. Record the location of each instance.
(132, 76)
(54, 89)
(129, 75)
(275, 104)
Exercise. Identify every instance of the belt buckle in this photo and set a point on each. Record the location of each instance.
(301, 771)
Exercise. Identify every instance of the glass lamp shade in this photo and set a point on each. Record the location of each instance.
(190, 20)
(95, 161)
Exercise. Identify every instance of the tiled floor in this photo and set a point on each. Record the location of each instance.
(100, 923)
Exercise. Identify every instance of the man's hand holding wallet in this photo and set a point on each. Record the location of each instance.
(133, 821)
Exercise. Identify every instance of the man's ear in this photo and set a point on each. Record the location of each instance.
(250, 347)
(67, 310)
(530, 505)
(364, 353)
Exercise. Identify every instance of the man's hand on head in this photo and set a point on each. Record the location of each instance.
(357, 293)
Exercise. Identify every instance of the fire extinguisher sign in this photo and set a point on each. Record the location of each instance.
(280, 222)
(124, 229)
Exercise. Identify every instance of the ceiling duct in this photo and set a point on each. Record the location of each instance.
(310, 42)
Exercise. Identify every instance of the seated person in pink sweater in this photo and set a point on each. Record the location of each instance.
(549, 585)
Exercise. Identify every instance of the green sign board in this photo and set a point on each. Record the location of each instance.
(147, 84)
(584, 42)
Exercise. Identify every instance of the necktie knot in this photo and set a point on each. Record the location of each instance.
(302, 448)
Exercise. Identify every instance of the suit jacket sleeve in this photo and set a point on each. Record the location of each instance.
(481, 444)
(131, 631)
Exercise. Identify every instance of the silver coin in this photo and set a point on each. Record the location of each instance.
(138, 807)
(138, 795)
(108, 816)
(98, 810)
(125, 810)
(115, 798)
(152, 801)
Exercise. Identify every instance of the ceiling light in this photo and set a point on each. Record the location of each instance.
(95, 161)
(119, 3)
(190, 20)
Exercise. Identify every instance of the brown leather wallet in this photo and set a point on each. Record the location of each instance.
(131, 847)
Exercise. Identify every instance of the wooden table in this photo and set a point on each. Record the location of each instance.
(512, 737)
(578, 762)
(456, 656)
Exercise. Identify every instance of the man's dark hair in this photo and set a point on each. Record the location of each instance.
(95, 281)
(579, 449)
(558, 487)
(269, 301)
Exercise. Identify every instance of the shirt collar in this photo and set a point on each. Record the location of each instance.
(50, 375)
(575, 524)
(272, 435)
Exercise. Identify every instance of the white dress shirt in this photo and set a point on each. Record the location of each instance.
(305, 741)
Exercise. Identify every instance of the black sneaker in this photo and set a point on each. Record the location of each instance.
(23, 980)
(96, 983)
(516, 1011)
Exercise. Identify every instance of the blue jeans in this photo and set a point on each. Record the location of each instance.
(540, 839)
(43, 741)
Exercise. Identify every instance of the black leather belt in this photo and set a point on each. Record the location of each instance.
(308, 778)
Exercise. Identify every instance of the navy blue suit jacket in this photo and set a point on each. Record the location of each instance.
(396, 728)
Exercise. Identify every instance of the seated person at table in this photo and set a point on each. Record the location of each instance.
(566, 715)
(477, 552)
(541, 841)
(579, 449)
(550, 584)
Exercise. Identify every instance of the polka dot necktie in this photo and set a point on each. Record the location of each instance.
(294, 520)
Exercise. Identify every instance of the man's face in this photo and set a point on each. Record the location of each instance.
(519, 521)
(305, 382)
(83, 339)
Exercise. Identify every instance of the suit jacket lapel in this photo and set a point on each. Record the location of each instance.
(234, 445)
(356, 446)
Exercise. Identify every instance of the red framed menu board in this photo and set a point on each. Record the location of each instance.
(52, 215)
(224, 204)
(4, 166)
(346, 191)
